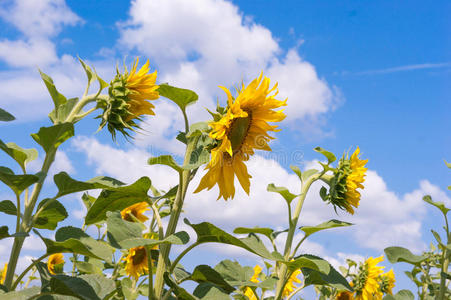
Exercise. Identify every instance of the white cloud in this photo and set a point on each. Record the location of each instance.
(32, 52)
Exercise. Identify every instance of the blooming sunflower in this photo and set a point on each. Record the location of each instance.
(242, 129)
(248, 291)
(366, 285)
(3, 273)
(347, 178)
(290, 286)
(128, 95)
(137, 211)
(387, 282)
(55, 263)
(136, 262)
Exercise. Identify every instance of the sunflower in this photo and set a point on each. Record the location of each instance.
(347, 178)
(387, 282)
(55, 263)
(135, 211)
(248, 291)
(3, 273)
(345, 295)
(242, 129)
(366, 285)
(290, 286)
(128, 95)
(136, 262)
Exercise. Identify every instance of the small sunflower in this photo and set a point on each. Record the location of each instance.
(135, 211)
(248, 291)
(242, 129)
(347, 178)
(366, 285)
(136, 262)
(128, 95)
(55, 263)
(387, 282)
(290, 285)
(3, 273)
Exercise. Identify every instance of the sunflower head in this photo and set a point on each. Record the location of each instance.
(136, 262)
(238, 130)
(366, 284)
(387, 282)
(129, 93)
(135, 212)
(3, 273)
(290, 285)
(55, 263)
(347, 178)
(345, 295)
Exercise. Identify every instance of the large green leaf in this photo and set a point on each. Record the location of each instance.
(268, 232)
(283, 191)
(234, 273)
(17, 183)
(125, 235)
(73, 240)
(166, 160)
(24, 294)
(49, 217)
(439, 205)
(101, 285)
(20, 155)
(401, 295)
(208, 291)
(4, 232)
(72, 286)
(209, 233)
(179, 292)
(181, 97)
(6, 116)
(400, 254)
(51, 137)
(117, 199)
(57, 97)
(66, 185)
(198, 157)
(8, 207)
(309, 261)
(206, 274)
(329, 155)
(326, 225)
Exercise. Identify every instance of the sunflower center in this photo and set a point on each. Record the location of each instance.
(140, 255)
(238, 131)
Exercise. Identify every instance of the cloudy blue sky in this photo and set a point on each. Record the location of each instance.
(356, 73)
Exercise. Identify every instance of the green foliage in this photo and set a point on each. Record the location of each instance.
(329, 155)
(400, 254)
(17, 183)
(166, 160)
(8, 207)
(283, 191)
(50, 138)
(309, 230)
(20, 155)
(401, 295)
(66, 185)
(52, 213)
(6, 116)
(181, 97)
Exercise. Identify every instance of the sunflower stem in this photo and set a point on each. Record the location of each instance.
(35, 262)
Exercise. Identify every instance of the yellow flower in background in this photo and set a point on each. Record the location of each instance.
(136, 210)
(248, 291)
(345, 295)
(136, 262)
(387, 282)
(129, 95)
(241, 130)
(55, 262)
(366, 286)
(3, 273)
(290, 285)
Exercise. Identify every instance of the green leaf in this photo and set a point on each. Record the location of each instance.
(268, 232)
(51, 137)
(66, 185)
(101, 285)
(73, 240)
(208, 233)
(117, 199)
(329, 155)
(17, 183)
(204, 273)
(197, 129)
(125, 235)
(60, 114)
(209, 291)
(8, 207)
(89, 73)
(72, 286)
(439, 205)
(234, 273)
(20, 155)
(179, 292)
(283, 191)
(297, 171)
(448, 164)
(167, 160)
(4, 232)
(181, 97)
(326, 225)
(86, 267)
(24, 294)
(198, 157)
(52, 214)
(57, 98)
(309, 261)
(6, 116)
(400, 254)
(401, 295)
(306, 175)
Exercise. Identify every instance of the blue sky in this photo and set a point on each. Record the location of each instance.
(366, 73)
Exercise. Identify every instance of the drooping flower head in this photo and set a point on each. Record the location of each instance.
(387, 282)
(129, 93)
(248, 291)
(290, 285)
(348, 177)
(3, 273)
(242, 129)
(366, 285)
(135, 211)
(55, 263)
(136, 262)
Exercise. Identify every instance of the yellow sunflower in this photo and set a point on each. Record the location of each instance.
(366, 286)
(387, 282)
(136, 262)
(347, 178)
(3, 273)
(128, 98)
(55, 263)
(137, 211)
(290, 285)
(248, 291)
(241, 130)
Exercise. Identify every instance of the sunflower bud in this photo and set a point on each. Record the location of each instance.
(127, 102)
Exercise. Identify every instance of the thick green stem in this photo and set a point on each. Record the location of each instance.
(163, 257)
(445, 264)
